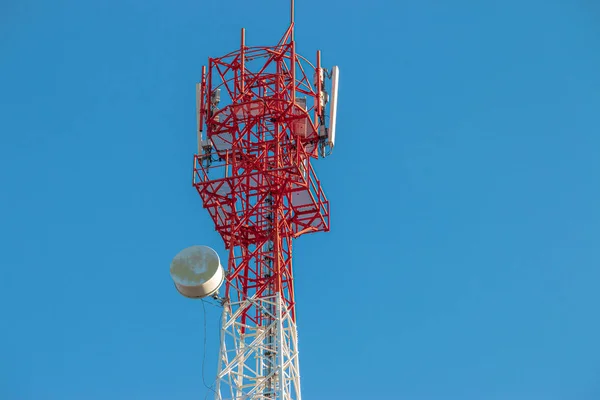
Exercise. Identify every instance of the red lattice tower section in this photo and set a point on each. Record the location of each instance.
(263, 113)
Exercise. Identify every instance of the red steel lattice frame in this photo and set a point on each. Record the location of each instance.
(254, 174)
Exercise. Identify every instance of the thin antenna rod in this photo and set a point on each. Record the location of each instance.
(292, 17)
(243, 60)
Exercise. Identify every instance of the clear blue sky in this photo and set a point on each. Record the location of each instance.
(464, 256)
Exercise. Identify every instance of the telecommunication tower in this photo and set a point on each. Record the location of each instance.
(263, 114)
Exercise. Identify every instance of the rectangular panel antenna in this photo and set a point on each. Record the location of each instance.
(335, 79)
(198, 117)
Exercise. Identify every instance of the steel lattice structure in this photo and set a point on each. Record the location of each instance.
(262, 110)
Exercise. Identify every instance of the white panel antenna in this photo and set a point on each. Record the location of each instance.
(335, 80)
(198, 126)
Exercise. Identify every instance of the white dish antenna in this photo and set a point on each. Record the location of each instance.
(335, 81)
(197, 272)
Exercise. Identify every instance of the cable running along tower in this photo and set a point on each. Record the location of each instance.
(263, 114)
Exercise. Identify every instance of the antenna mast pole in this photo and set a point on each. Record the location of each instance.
(292, 17)
(263, 108)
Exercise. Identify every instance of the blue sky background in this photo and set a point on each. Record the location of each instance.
(464, 256)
